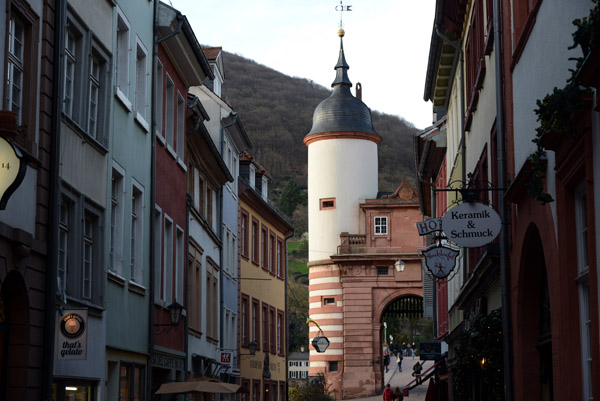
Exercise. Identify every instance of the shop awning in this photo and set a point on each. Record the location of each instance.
(203, 385)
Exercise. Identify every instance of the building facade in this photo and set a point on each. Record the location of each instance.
(540, 277)
(27, 121)
(263, 233)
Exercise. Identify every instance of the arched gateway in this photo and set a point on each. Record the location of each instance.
(363, 246)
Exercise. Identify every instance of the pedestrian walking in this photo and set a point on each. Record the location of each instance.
(399, 360)
(398, 394)
(386, 361)
(388, 393)
(403, 348)
(417, 369)
(414, 350)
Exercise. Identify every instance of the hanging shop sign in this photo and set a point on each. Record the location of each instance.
(430, 350)
(471, 225)
(72, 334)
(225, 357)
(12, 170)
(320, 343)
(440, 260)
(429, 226)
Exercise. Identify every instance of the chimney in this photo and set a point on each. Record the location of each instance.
(359, 90)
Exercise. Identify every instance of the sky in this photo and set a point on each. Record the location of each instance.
(386, 43)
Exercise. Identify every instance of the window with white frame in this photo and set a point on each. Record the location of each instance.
(80, 256)
(85, 96)
(72, 53)
(141, 82)
(170, 113)
(159, 82)
(136, 273)
(181, 126)
(168, 261)
(212, 300)
(116, 222)
(94, 97)
(265, 188)
(89, 237)
(22, 28)
(15, 66)
(63, 243)
(583, 285)
(252, 176)
(179, 263)
(122, 62)
(380, 226)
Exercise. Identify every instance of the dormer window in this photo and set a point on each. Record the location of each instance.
(216, 82)
(252, 176)
(265, 191)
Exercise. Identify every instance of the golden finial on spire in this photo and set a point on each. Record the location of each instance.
(341, 33)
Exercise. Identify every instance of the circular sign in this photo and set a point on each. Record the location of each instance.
(320, 343)
(471, 225)
(72, 325)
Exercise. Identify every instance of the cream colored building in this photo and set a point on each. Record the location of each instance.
(263, 232)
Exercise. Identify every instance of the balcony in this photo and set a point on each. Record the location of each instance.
(354, 244)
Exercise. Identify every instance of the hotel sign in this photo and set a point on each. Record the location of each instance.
(471, 225)
(429, 226)
(72, 334)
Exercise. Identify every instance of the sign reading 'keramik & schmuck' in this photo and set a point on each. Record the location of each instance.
(471, 225)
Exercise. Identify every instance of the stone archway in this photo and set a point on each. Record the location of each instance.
(533, 338)
(14, 335)
(404, 305)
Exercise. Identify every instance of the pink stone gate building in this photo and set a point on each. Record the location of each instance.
(350, 293)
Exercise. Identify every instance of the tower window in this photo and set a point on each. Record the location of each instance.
(327, 203)
(381, 225)
(328, 301)
(333, 366)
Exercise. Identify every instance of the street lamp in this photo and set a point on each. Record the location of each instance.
(175, 310)
(252, 346)
(399, 265)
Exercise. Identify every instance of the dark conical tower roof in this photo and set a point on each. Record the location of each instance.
(342, 112)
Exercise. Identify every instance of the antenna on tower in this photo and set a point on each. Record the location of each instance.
(341, 8)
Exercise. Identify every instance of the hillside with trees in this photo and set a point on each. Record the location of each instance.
(277, 111)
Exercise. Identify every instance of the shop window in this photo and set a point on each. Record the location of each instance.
(131, 383)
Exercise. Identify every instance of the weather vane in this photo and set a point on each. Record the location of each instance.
(341, 8)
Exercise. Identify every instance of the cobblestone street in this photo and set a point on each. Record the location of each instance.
(400, 379)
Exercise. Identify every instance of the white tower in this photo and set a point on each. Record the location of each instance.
(342, 165)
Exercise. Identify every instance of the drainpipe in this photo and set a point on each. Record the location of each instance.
(153, 228)
(54, 204)
(504, 266)
(463, 144)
